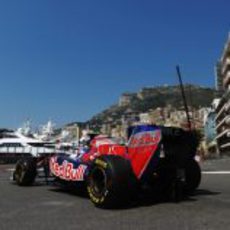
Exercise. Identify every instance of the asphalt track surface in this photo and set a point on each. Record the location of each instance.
(45, 207)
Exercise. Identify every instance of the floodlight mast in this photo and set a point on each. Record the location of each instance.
(183, 97)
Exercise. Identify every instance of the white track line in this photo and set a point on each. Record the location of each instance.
(203, 172)
(12, 169)
(216, 172)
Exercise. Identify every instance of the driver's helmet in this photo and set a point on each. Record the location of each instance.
(101, 140)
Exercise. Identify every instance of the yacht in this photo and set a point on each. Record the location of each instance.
(14, 144)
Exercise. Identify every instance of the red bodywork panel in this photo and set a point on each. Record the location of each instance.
(139, 151)
(105, 149)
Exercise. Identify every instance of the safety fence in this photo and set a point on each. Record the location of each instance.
(9, 155)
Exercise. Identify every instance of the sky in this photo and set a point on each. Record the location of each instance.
(69, 60)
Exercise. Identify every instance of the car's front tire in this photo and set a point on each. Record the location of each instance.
(25, 172)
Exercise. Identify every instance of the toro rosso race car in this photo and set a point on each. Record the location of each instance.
(155, 158)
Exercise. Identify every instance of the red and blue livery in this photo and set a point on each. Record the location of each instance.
(156, 158)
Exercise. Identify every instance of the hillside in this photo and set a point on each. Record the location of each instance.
(152, 98)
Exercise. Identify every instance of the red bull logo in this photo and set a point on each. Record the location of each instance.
(142, 147)
(67, 171)
(144, 139)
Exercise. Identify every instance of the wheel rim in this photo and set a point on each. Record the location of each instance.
(98, 182)
(19, 174)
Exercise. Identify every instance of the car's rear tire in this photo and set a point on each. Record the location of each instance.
(111, 182)
(192, 176)
(25, 172)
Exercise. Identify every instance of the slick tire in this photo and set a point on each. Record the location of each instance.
(25, 172)
(192, 176)
(111, 182)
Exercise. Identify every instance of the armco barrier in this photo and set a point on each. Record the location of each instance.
(10, 158)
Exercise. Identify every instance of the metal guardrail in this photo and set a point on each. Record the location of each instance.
(10, 155)
(27, 149)
(11, 158)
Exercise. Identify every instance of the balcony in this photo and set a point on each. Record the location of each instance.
(227, 145)
(226, 133)
(226, 81)
(220, 113)
(225, 66)
(225, 121)
(226, 50)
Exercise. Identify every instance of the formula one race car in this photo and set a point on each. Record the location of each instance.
(155, 158)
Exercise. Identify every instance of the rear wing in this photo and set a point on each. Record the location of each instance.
(142, 147)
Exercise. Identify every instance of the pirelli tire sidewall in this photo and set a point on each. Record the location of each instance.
(110, 181)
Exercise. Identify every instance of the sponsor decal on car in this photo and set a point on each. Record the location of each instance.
(144, 139)
(94, 198)
(67, 171)
(142, 148)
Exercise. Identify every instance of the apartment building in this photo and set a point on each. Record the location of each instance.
(223, 109)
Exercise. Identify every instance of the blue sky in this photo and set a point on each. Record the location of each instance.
(68, 60)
